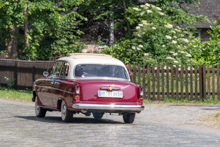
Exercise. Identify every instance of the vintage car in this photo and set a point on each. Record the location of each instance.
(90, 84)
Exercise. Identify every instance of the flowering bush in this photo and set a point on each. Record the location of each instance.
(155, 40)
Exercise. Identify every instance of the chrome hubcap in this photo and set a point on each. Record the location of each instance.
(37, 108)
(63, 111)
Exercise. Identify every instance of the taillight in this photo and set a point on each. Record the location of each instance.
(77, 88)
(141, 93)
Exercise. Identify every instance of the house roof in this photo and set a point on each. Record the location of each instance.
(209, 8)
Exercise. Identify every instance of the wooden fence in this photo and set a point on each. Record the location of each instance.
(158, 81)
(24, 72)
(177, 81)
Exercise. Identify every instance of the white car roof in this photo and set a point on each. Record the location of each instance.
(89, 58)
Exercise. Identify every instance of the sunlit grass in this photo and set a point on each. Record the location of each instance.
(20, 95)
(212, 119)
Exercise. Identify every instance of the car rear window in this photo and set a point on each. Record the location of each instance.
(99, 70)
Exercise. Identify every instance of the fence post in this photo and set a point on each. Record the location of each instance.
(16, 75)
(204, 81)
(34, 72)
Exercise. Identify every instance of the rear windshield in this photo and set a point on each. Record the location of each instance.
(99, 70)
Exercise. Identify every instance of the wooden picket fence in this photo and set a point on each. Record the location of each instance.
(194, 82)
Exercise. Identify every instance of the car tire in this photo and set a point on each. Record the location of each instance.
(98, 115)
(129, 117)
(66, 115)
(40, 112)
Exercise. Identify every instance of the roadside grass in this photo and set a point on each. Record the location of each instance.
(18, 95)
(212, 119)
(183, 101)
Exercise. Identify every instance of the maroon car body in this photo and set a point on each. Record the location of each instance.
(88, 84)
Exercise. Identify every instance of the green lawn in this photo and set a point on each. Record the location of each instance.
(20, 95)
(26, 95)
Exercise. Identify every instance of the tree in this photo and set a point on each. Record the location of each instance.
(39, 21)
(208, 52)
(155, 40)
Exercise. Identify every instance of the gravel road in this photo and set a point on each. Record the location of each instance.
(157, 125)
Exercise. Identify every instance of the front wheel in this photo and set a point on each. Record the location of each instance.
(66, 115)
(40, 112)
(129, 117)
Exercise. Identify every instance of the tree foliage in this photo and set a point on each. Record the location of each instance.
(209, 52)
(53, 20)
(158, 36)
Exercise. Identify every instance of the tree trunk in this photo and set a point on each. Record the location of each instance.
(111, 36)
(12, 47)
(127, 22)
(26, 26)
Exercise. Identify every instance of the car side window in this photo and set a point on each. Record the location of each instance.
(56, 70)
(64, 70)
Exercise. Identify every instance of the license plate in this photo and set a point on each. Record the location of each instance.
(111, 94)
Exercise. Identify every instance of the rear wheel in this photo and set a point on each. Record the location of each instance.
(129, 117)
(40, 112)
(66, 115)
(98, 115)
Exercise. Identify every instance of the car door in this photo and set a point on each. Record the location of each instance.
(48, 91)
(60, 84)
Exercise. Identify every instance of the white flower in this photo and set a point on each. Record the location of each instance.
(163, 46)
(142, 13)
(173, 31)
(146, 4)
(137, 9)
(175, 54)
(168, 37)
(153, 28)
(133, 47)
(140, 24)
(174, 36)
(144, 21)
(161, 13)
(185, 40)
(138, 27)
(168, 26)
(169, 58)
(146, 54)
(174, 42)
(138, 48)
(177, 30)
(182, 52)
(188, 55)
(175, 61)
(139, 35)
(149, 11)
(158, 8)
(141, 46)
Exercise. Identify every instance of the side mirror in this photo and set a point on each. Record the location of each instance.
(45, 73)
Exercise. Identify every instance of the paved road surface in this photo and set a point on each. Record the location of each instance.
(156, 126)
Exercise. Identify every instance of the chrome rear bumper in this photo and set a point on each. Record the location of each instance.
(108, 107)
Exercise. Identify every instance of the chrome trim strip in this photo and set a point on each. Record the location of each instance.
(108, 107)
(54, 89)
